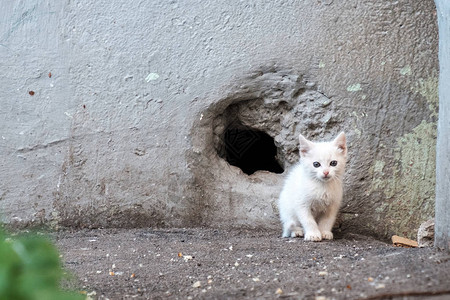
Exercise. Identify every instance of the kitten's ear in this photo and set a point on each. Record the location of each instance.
(341, 142)
(305, 145)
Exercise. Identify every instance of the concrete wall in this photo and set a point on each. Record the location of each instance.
(124, 130)
(442, 219)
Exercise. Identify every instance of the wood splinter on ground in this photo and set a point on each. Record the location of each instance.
(399, 241)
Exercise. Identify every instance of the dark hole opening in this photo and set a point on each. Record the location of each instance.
(251, 150)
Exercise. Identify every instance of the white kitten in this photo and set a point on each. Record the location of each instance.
(312, 193)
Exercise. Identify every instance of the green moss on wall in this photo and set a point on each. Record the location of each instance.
(428, 88)
(408, 180)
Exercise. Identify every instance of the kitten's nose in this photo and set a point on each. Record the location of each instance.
(326, 173)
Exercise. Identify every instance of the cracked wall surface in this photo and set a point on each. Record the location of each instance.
(113, 114)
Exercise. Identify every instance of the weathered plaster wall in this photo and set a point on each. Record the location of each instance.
(36, 108)
(442, 218)
(123, 131)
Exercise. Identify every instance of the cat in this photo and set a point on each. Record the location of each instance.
(312, 193)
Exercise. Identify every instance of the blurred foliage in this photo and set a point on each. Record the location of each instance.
(30, 269)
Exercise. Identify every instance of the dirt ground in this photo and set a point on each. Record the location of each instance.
(246, 264)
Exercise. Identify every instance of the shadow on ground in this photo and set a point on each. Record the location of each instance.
(241, 264)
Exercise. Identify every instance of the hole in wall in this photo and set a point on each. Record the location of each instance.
(257, 128)
(250, 150)
(241, 142)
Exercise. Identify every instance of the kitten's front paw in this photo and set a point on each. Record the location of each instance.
(297, 232)
(327, 235)
(313, 236)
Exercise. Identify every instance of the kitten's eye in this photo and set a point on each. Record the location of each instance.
(316, 164)
(333, 163)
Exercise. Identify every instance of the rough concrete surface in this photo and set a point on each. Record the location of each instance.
(112, 113)
(426, 234)
(241, 264)
(442, 229)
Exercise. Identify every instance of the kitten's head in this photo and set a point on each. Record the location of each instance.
(324, 161)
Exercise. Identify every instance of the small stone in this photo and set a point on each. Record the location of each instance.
(197, 284)
(323, 273)
(425, 235)
(91, 295)
(279, 291)
(187, 257)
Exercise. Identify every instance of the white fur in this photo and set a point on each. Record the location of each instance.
(311, 196)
